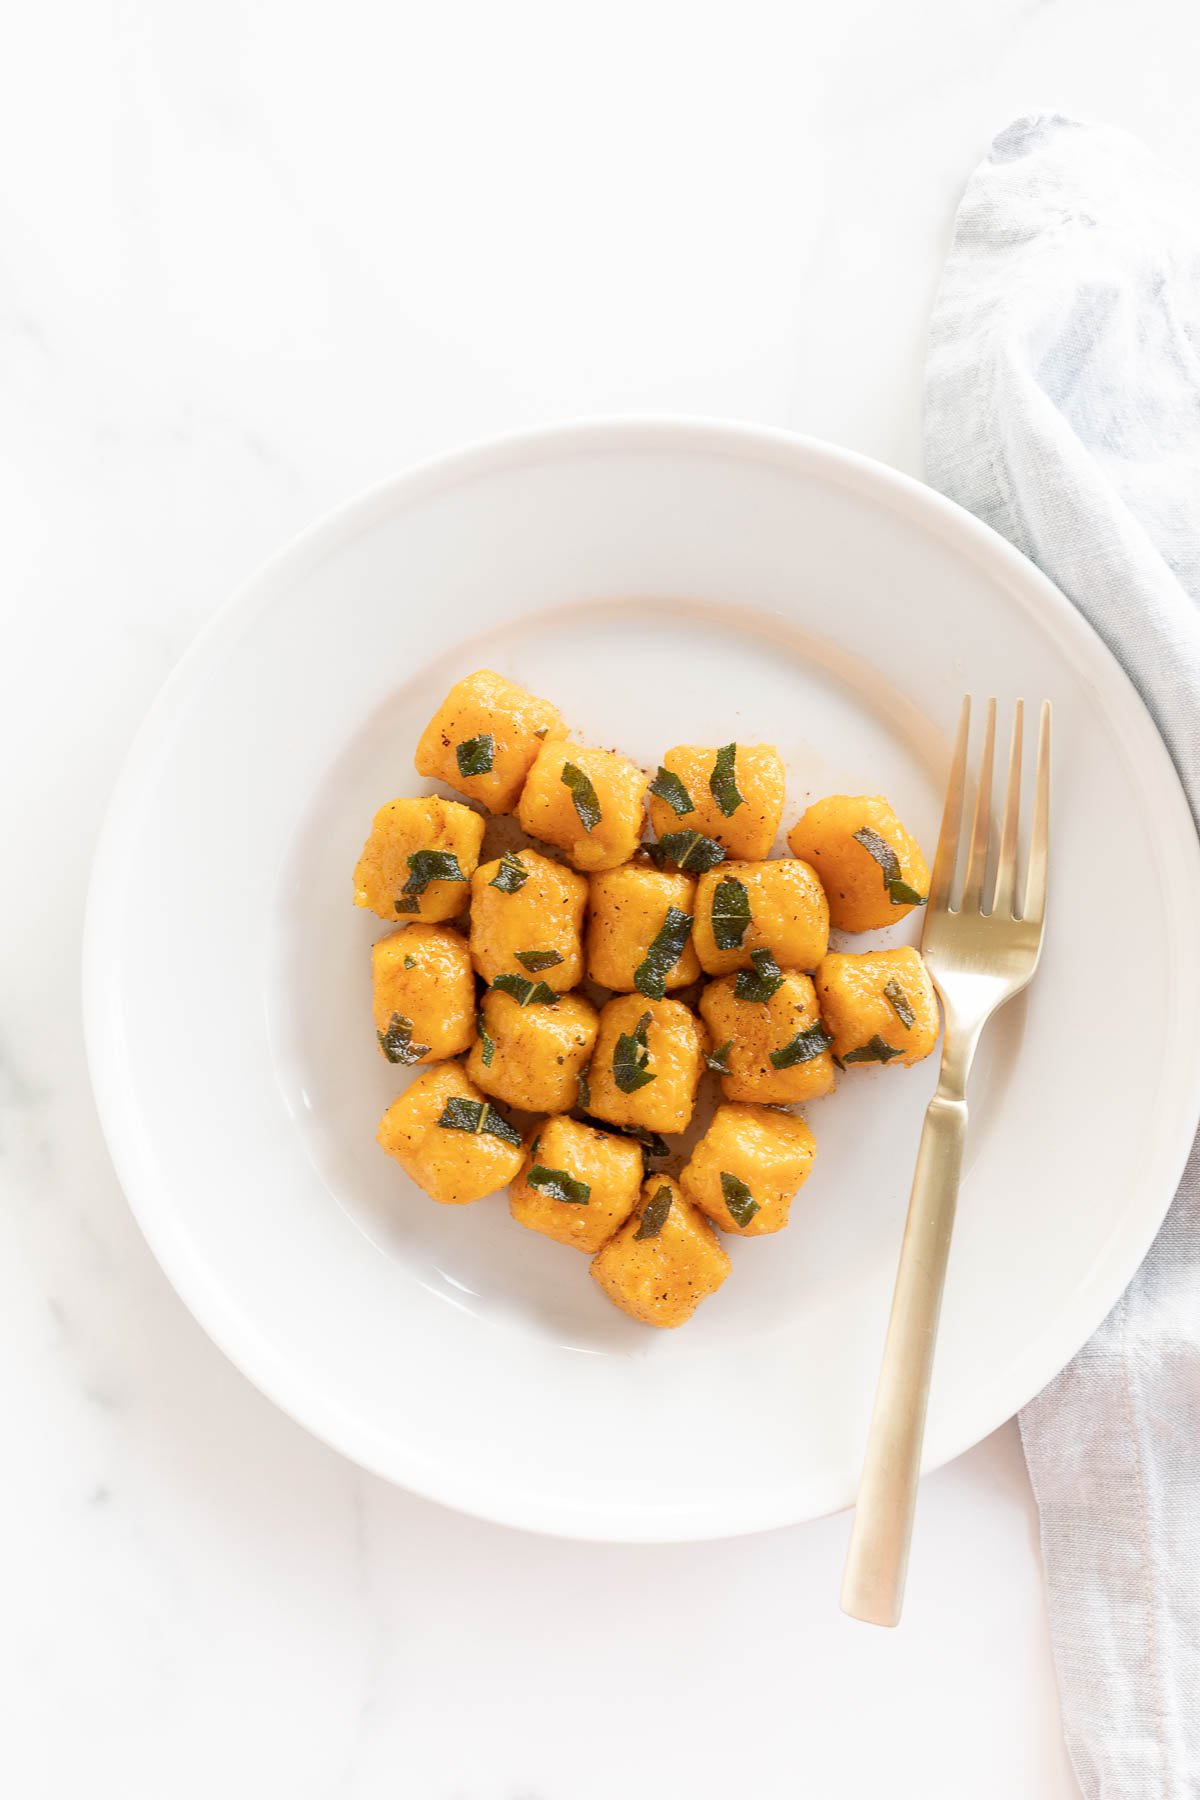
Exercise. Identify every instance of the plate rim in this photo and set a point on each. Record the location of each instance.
(232, 1333)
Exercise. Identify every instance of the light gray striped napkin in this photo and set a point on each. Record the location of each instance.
(1063, 407)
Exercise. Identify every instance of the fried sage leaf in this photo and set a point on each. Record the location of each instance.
(557, 1184)
(487, 1046)
(899, 892)
(718, 1060)
(874, 1050)
(687, 850)
(654, 1216)
(803, 1047)
(537, 960)
(524, 991)
(631, 1053)
(653, 1146)
(430, 865)
(476, 755)
(739, 1201)
(761, 982)
(722, 783)
(881, 850)
(650, 976)
(397, 1041)
(898, 1000)
(477, 1116)
(730, 913)
(652, 1143)
(587, 804)
(511, 875)
(668, 786)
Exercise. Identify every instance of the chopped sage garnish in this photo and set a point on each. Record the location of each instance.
(653, 1146)
(722, 784)
(803, 1047)
(477, 1116)
(652, 1143)
(881, 850)
(901, 894)
(668, 786)
(410, 962)
(875, 1049)
(899, 891)
(511, 875)
(556, 1184)
(487, 1047)
(524, 991)
(650, 976)
(631, 1053)
(718, 1060)
(476, 755)
(761, 982)
(650, 1140)
(584, 795)
(584, 1090)
(654, 1215)
(397, 1041)
(898, 1000)
(430, 865)
(730, 913)
(739, 1201)
(537, 960)
(687, 850)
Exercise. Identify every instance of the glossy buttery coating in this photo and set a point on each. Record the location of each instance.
(545, 913)
(481, 705)
(610, 1166)
(538, 1051)
(661, 1280)
(772, 1152)
(858, 892)
(856, 1009)
(423, 973)
(547, 808)
(453, 1167)
(758, 1028)
(789, 915)
(400, 829)
(750, 829)
(676, 1041)
(626, 909)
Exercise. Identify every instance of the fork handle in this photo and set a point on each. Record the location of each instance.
(873, 1584)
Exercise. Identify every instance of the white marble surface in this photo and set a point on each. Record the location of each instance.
(254, 256)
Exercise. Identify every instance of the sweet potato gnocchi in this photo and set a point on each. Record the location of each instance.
(606, 982)
(664, 1260)
(578, 1184)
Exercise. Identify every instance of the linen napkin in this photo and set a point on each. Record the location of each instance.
(1063, 407)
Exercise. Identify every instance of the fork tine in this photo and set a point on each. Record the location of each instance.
(1039, 844)
(1006, 866)
(981, 836)
(946, 860)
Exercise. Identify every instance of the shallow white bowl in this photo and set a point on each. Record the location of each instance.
(662, 581)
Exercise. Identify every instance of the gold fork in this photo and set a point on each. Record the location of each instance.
(978, 959)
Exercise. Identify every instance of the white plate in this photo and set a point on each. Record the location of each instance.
(662, 582)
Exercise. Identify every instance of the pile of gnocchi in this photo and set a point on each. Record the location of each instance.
(713, 955)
